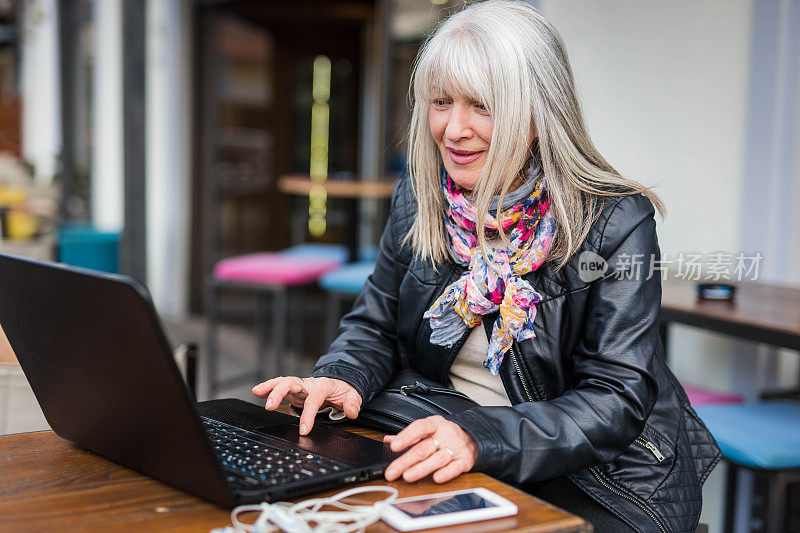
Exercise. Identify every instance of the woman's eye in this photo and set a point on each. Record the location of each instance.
(440, 102)
(480, 107)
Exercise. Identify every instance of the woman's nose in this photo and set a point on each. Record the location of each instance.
(458, 123)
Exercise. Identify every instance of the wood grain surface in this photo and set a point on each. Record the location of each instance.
(760, 312)
(49, 484)
(301, 185)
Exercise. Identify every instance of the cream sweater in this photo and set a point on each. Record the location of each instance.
(468, 375)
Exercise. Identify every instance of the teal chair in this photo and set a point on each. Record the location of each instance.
(344, 284)
(85, 246)
(763, 438)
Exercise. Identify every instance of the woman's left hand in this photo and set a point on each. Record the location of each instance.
(438, 446)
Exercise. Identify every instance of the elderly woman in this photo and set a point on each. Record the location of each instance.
(506, 272)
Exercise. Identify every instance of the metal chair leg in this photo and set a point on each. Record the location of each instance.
(332, 320)
(730, 498)
(297, 329)
(191, 369)
(776, 506)
(211, 338)
(279, 329)
(260, 326)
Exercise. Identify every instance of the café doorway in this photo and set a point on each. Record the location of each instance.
(253, 77)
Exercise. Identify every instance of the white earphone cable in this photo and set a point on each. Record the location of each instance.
(298, 517)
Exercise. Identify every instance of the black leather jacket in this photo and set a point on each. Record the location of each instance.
(592, 397)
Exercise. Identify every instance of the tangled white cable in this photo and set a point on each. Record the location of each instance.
(297, 517)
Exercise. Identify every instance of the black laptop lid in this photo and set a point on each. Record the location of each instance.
(102, 371)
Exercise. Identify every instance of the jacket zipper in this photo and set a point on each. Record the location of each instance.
(451, 392)
(404, 390)
(436, 390)
(515, 362)
(594, 470)
(652, 447)
(620, 492)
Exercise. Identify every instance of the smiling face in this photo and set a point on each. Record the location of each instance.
(462, 129)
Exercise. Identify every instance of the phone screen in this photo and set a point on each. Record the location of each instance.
(447, 504)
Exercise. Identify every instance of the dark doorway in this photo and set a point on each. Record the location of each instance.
(253, 117)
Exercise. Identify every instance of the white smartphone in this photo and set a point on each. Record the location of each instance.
(446, 509)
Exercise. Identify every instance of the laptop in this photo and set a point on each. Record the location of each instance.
(94, 352)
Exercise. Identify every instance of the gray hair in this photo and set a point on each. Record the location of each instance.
(507, 56)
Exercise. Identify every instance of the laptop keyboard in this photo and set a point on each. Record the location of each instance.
(253, 464)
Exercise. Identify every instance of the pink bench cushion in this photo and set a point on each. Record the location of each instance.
(701, 396)
(273, 269)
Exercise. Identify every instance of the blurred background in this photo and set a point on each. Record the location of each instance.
(162, 138)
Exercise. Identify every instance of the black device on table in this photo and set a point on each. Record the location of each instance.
(716, 291)
(94, 352)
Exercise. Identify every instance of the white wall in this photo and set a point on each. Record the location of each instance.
(107, 173)
(40, 87)
(664, 87)
(168, 143)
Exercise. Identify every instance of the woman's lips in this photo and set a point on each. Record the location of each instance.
(463, 157)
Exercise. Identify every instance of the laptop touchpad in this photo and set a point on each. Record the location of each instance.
(335, 443)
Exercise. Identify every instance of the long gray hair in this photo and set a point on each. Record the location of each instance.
(507, 56)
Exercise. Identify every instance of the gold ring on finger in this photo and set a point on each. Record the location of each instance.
(438, 446)
(451, 452)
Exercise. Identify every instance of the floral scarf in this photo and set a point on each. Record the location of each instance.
(481, 289)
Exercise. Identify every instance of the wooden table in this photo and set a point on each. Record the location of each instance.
(353, 191)
(49, 484)
(301, 185)
(760, 312)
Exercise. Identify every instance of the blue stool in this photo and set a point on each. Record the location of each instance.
(764, 438)
(346, 282)
(335, 252)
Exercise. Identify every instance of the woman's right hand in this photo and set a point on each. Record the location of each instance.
(310, 394)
